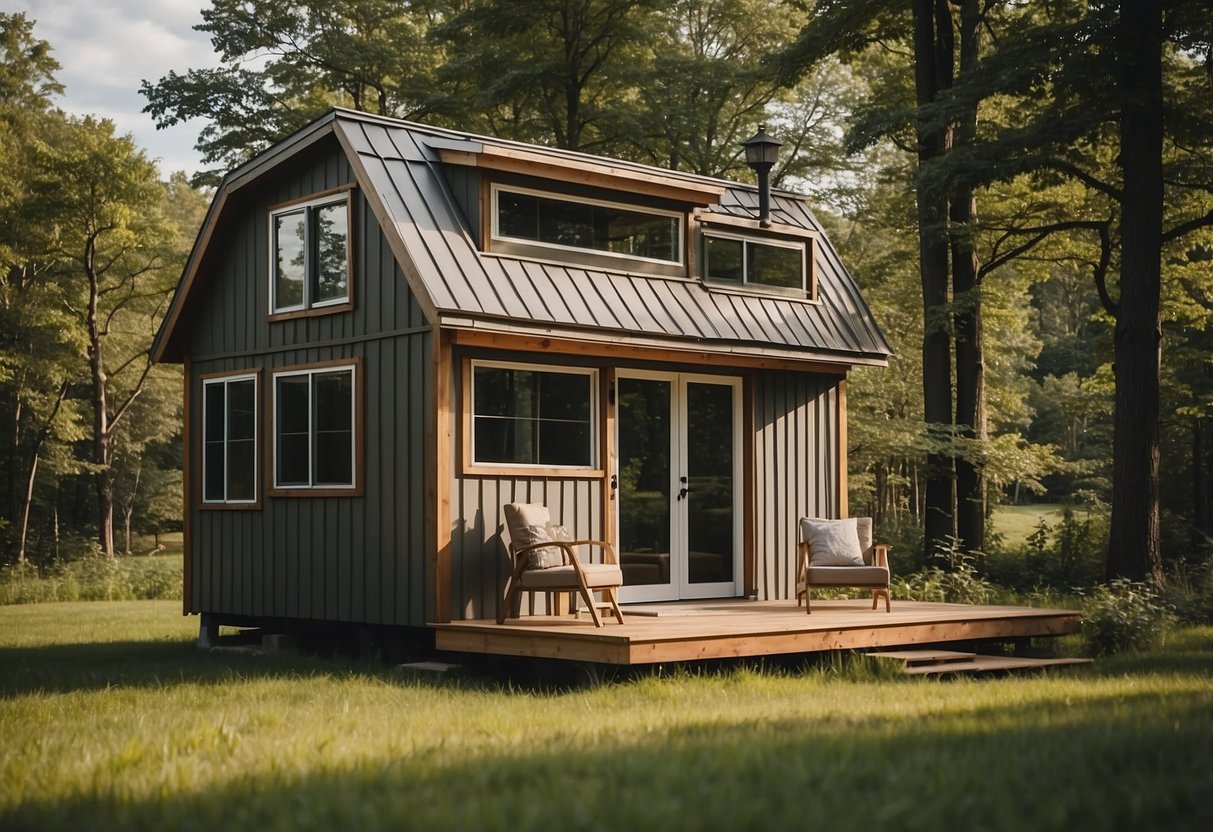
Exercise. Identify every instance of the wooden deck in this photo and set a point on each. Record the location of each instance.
(736, 628)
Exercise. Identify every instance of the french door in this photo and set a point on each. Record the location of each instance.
(678, 472)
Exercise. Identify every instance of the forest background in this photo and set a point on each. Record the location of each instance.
(1023, 191)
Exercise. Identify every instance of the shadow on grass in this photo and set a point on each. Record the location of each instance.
(64, 668)
(1110, 764)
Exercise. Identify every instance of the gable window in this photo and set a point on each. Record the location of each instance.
(528, 216)
(531, 416)
(314, 428)
(229, 439)
(747, 261)
(310, 255)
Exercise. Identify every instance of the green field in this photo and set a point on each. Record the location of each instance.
(111, 719)
(1015, 523)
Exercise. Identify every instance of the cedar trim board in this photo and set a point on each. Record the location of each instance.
(624, 349)
(750, 629)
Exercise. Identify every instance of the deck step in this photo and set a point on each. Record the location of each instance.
(913, 658)
(926, 663)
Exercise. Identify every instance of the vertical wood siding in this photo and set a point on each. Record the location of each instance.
(795, 459)
(357, 559)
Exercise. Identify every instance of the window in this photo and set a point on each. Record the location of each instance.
(779, 265)
(310, 255)
(229, 439)
(593, 225)
(531, 416)
(314, 417)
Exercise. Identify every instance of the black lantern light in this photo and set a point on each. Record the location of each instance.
(761, 154)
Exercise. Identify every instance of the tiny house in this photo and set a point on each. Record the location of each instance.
(389, 331)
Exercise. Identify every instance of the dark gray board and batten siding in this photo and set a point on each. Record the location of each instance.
(359, 558)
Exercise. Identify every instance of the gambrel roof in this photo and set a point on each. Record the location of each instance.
(399, 168)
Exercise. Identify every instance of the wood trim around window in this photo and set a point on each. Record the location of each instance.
(259, 436)
(358, 489)
(352, 225)
(468, 467)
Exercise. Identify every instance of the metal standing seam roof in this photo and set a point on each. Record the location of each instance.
(400, 172)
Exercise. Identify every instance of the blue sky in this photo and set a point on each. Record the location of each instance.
(107, 47)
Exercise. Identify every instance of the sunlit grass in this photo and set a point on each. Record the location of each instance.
(148, 733)
(1016, 523)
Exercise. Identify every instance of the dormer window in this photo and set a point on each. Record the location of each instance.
(310, 255)
(748, 261)
(521, 215)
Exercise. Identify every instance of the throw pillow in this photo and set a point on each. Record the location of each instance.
(544, 557)
(832, 542)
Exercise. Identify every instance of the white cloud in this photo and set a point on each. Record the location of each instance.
(106, 48)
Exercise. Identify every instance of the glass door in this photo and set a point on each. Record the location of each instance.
(678, 496)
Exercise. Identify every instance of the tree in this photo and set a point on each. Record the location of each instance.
(547, 70)
(286, 63)
(99, 213)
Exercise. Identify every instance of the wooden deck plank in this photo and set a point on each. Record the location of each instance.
(738, 628)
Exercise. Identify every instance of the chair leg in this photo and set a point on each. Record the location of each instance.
(881, 593)
(612, 595)
(510, 591)
(807, 607)
(588, 597)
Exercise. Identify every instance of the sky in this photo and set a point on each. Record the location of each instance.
(105, 48)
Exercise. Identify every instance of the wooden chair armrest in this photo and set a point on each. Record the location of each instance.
(608, 551)
(882, 555)
(520, 552)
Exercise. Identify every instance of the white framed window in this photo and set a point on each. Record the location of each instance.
(310, 254)
(315, 428)
(229, 439)
(558, 221)
(533, 416)
(748, 261)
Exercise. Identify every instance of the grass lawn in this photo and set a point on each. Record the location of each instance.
(111, 719)
(1015, 523)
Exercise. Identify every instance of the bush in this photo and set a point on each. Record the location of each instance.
(957, 583)
(1124, 615)
(93, 578)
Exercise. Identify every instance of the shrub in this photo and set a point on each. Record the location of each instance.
(1124, 615)
(958, 583)
(92, 578)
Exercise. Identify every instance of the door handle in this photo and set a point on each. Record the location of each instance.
(683, 492)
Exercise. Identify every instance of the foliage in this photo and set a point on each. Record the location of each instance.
(1124, 615)
(113, 719)
(954, 579)
(93, 578)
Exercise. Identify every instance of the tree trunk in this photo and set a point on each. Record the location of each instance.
(127, 513)
(932, 75)
(1200, 488)
(966, 297)
(1134, 547)
(102, 440)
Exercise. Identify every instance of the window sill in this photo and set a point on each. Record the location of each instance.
(536, 472)
(753, 290)
(314, 312)
(205, 506)
(315, 492)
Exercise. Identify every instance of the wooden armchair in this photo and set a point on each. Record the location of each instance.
(543, 563)
(841, 553)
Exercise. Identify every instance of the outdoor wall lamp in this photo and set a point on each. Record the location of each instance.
(761, 154)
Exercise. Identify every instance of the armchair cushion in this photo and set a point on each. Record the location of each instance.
(561, 577)
(848, 576)
(832, 542)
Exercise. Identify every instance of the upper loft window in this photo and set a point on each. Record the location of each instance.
(562, 222)
(746, 261)
(310, 255)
